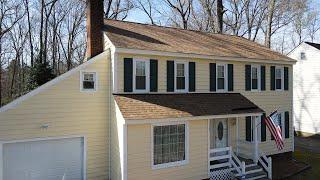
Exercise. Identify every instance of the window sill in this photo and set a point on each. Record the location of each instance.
(88, 90)
(170, 165)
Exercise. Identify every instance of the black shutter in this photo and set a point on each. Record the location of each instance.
(272, 78)
(248, 128)
(286, 78)
(263, 78)
(170, 76)
(192, 76)
(153, 75)
(212, 76)
(248, 77)
(263, 128)
(286, 124)
(128, 72)
(230, 77)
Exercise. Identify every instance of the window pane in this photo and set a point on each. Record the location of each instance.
(278, 84)
(88, 77)
(169, 143)
(220, 71)
(220, 83)
(140, 68)
(254, 73)
(140, 82)
(254, 83)
(180, 70)
(278, 73)
(180, 82)
(88, 85)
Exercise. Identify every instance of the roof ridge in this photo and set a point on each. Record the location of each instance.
(170, 27)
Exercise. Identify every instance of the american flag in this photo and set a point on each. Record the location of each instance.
(273, 124)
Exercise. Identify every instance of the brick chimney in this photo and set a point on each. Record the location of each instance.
(95, 18)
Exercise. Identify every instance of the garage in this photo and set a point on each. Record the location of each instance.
(54, 159)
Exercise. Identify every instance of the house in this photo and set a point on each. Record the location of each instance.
(306, 88)
(152, 102)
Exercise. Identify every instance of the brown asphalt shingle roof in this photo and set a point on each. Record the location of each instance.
(160, 106)
(158, 38)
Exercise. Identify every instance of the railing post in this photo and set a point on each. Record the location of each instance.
(269, 168)
(230, 155)
(243, 170)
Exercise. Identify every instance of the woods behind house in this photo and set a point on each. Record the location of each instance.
(41, 39)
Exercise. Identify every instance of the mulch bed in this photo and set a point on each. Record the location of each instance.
(283, 168)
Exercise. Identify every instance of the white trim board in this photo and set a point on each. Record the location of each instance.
(84, 160)
(47, 85)
(199, 56)
(192, 118)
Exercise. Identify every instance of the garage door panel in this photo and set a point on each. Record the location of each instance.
(50, 159)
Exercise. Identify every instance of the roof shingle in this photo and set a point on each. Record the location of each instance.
(160, 106)
(158, 38)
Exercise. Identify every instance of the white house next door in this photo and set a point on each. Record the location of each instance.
(221, 133)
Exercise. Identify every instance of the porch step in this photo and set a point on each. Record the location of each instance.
(254, 171)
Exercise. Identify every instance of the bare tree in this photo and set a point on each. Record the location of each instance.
(183, 8)
(313, 24)
(117, 9)
(220, 12)
(10, 13)
(147, 7)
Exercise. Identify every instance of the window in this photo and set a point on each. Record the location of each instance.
(181, 76)
(255, 80)
(88, 81)
(302, 56)
(279, 78)
(254, 122)
(280, 122)
(221, 77)
(169, 145)
(141, 75)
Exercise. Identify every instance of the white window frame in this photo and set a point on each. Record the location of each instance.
(258, 76)
(282, 78)
(225, 78)
(147, 63)
(186, 75)
(255, 123)
(171, 164)
(95, 79)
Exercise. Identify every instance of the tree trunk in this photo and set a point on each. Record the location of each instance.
(269, 23)
(219, 16)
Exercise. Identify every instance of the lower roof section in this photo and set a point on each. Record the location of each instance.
(169, 106)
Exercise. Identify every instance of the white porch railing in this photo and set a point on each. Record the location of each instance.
(266, 163)
(246, 149)
(227, 161)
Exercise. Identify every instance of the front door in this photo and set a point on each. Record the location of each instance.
(221, 133)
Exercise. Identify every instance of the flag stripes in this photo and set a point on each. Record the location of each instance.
(274, 128)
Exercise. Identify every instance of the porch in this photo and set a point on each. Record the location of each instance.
(231, 155)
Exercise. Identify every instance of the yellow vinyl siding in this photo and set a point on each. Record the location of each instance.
(267, 100)
(139, 154)
(68, 112)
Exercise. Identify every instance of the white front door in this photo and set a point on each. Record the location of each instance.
(221, 133)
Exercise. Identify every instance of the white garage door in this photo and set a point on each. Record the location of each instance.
(44, 160)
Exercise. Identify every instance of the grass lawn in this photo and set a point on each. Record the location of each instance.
(313, 159)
